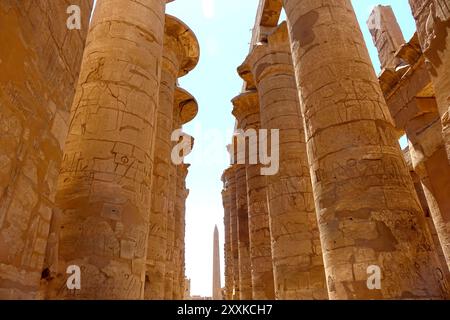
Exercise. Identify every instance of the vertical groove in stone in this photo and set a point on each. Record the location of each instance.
(104, 185)
(368, 211)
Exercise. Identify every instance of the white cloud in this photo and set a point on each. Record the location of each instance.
(208, 7)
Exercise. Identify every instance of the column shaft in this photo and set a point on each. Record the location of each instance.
(226, 201)
(105, 180)
(245, 277)
(246, 110)
(369, 214)
(297, 255)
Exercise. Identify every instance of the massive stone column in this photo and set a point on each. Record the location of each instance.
(104, 185)
(180, 55)
(226, 200)
(40, 60)
(245, 267)
(296, 250)
(433, 25)
(246, 111)
(369, 214)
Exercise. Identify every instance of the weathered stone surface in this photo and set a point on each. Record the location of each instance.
(39, 61)
(433, 25)
(104, 186)
(411, 100)
(243, 240)
(360, 179)
(296, 250)
(226, 200)
(246, 111)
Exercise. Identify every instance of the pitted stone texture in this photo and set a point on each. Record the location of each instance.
(296, 250)
(246, 111)
(368, 211)
(40, 60)
(104, 185)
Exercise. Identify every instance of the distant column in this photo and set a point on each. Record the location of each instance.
(245, 276)
(234, 233)
(296, 250)
(180, 55)
(369, 216)
(246, 111)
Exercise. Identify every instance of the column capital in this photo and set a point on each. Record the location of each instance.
(271, 56)
(228, 174)
(180, 40)
(186, 105)
(245, 104)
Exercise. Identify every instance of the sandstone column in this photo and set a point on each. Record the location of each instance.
(180, 221)
(234, 232)
(297, 255)
(433, 25)
(185, 109)
(226, 200)
(40, 61)
(245, 276)
(104, 185)
(180, 55)
(246, 111)
(369, 214)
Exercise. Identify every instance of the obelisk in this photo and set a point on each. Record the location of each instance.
(216, 267)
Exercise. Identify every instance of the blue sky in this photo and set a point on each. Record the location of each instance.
(223, 28)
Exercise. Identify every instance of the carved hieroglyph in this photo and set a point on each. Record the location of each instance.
(104, 186)
(296, 250)
(246, 111)
(368, 211)
(40, 60)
